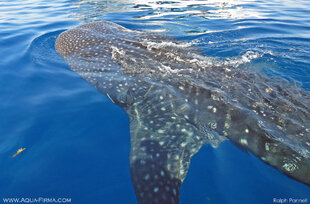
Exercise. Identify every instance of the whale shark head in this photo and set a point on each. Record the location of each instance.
(178, 101)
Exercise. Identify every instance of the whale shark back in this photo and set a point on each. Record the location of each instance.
(177, 100)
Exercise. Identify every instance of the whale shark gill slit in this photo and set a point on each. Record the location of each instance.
(178, 100)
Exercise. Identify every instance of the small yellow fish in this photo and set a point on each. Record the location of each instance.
(19, 151)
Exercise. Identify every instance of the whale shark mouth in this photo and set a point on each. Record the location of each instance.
(177, 101)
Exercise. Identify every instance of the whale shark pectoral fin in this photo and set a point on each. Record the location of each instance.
(289, 161)
(292, 160)
(152, 178)
(161, 148)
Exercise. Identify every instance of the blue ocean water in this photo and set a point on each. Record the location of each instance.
(77, 140)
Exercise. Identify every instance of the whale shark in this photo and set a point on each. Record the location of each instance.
(178, 100)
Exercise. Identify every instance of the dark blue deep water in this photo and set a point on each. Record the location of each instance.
(77, 141)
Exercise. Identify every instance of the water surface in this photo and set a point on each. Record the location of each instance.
(78, 141)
